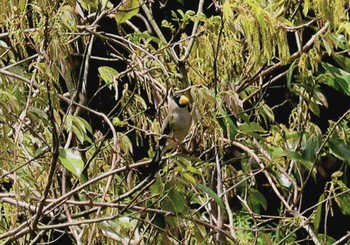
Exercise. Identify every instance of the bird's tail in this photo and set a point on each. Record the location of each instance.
(151, 169)
(155, 163)
(157, 157)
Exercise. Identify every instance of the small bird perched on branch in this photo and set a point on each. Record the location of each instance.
(174, 129)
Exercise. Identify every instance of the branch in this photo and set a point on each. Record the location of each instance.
(318, 153)
(192, 37)
(219, 190)
(289, 209)
(55, 147)
(23, 229)
(267, 175)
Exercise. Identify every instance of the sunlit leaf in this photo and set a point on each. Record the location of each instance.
(125, 143)
(227, 11)
(251, 127)
(277, 152)
(127, 10)
(167, 24)
(327, 46)
(283, 180)
(68, 17)
(107, 74)
(321, 98)
(314, 108)
(189, 177)
(79, 126)
(306, 7)
(89, 5)
(72, 161)
(193, 170)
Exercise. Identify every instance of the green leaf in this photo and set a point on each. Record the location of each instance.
(325, 239)
(314, 108)
(3, 47)
(343, 61)
(318, 214)
(72, 161)
(227, 11)
(125, 143)
(38, 114)
(174, 202)
(227, 122)
(256, 200)
(212, 194)
(88, 5)
(277, 152)
(68, 18)
(40, 150)
(267, 113)
(296, 156)
(107, 73)
(311, 147)
(145, 37)
(251, 128)
(157, 188)
(167, 24)
(189, 177)
(340, 149)
(343, 201)
(336, 78)
(327, 46)
(127, 10)
(193, 170)
(79, 126)
(306, 7)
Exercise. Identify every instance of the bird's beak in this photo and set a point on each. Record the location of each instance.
(183, 100)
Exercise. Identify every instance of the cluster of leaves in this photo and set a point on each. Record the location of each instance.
(243, 176)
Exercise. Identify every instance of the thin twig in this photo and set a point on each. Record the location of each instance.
(324, 142)
(24, 229)
(54, 159)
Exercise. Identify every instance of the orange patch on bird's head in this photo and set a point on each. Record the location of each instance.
(183, 100)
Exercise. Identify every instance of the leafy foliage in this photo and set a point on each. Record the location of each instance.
(83, 87)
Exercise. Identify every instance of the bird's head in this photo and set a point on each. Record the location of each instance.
(181, 100)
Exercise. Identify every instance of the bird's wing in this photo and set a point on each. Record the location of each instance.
(167, 130)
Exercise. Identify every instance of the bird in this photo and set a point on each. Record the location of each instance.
(175, 128)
